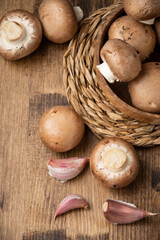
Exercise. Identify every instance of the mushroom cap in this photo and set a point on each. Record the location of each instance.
(142, 9)
(61, 128)
(145, 89)
(58, 20)
(138, 35)
(121, 58)
(157, 29)
(101, 171)
(23, 25)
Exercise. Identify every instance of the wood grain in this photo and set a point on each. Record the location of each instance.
(28, 195)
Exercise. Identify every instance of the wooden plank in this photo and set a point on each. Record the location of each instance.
(28, 195)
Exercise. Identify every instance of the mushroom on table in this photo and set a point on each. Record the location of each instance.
(59, 20)
(114, 161)
(20, 34)
(61, 128)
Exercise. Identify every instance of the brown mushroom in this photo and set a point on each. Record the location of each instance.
(59, 20)
(61, 128)
(145, 89)
(20, 34)
(114, 161)
(157, 29)
(142, 10)
(119, 60)
(138, 35)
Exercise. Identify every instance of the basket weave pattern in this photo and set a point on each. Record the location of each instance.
(86, 97)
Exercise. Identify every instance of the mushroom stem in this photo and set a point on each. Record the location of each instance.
(115, 159)
(149, 22)
(79, 13)
(12, 30)
(106, 72)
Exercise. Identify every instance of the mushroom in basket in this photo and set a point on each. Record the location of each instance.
(144, 11)
(157, 29)
(121, 62)
(144, 90)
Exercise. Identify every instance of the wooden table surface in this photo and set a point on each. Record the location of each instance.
(28, 195)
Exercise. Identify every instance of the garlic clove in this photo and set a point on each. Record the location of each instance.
(71, 202)
(66, 169)
(79, 13)
(122, 212)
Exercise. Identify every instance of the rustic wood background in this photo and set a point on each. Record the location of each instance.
(28, 195)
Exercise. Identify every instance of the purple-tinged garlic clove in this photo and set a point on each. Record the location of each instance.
(79, 13)
(71, 202)
(122, 213)
(66, 169)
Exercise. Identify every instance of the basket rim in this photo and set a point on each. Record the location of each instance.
(118, 102)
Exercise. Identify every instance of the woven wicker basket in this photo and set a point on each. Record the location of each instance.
(102, 110)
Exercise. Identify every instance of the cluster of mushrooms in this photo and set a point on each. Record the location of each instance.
(131, 40)
(113, 160)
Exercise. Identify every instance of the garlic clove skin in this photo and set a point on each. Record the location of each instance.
(71, 202)
(79, 13)
(106, 72)
(122, 213)
(66, 169)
